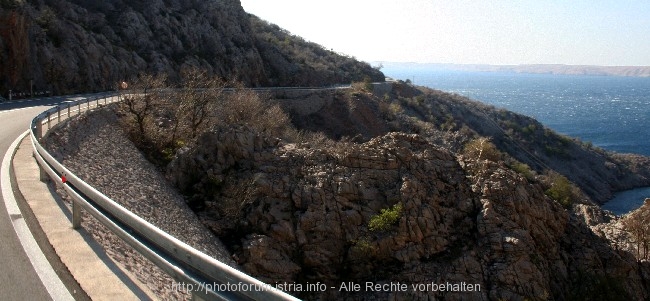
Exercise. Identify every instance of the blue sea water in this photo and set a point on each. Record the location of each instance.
(611, 112)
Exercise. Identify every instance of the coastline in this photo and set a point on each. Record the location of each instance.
(555, 69)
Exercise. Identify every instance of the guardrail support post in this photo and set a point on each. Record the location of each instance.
(48, 120)
(39, 130)
(42, 174)
(76, 215)
(58, 114)
(68, 111)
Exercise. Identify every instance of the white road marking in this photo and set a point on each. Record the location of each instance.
(49, 278)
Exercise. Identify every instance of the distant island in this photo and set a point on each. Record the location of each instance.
(631, 71)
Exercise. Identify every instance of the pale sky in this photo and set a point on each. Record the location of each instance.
(575, 32)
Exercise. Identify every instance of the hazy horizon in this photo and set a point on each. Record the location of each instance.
(582, 33)
(507, 65)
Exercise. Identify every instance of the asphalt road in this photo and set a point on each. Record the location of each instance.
(18, 279)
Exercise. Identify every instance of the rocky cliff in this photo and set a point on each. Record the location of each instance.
(415, 206)
(303, 213)
(68, 46)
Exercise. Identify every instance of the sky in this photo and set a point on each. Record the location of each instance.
(499, 32)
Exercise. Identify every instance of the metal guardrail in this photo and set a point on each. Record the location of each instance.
(179, 260)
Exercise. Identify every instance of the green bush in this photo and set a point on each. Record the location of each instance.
(523, 169)
(386, 218)
(530, 129)
(363, 246)
(561, 190)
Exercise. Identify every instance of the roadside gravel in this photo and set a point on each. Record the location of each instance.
(95, 148)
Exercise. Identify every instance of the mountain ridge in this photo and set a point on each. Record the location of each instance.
(70, 46)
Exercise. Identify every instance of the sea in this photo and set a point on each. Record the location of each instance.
(612, 112)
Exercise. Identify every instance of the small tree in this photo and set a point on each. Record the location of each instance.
(197, 100)
(637, 224)
(141, 104)
(561, 190)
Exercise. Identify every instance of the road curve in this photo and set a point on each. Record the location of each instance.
(18, 278)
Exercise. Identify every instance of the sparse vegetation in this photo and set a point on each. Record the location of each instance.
(161, 120)
(482, 149)
(523, 169)
(637, 224)
(293, 61)
(363, 246)
(385, 220)
(140, 107)
(561, 189)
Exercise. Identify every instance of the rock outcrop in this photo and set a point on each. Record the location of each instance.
(301, 213)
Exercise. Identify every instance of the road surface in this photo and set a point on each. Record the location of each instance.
(18, 278)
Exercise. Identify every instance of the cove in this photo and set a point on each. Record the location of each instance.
(628, 200)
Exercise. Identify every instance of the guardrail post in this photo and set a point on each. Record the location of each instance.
(76, 215)
(42, 174)
(68, 111)
(48, 120)
(79, 108)
(39, 130)
(58, 114)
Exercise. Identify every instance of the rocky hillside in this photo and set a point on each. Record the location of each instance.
(393, 183)
(397, 209)
(72, 45)
(597, 172)
(452, 120)
(396, 184)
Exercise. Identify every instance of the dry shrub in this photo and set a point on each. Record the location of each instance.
(139, 106)
(195, 102)
(637, 223)
(482, 149)
(244, 106)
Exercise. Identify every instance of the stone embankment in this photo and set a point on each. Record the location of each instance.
(94, 147)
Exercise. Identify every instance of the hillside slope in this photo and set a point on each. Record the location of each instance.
(396, 194)
(72, 45)
(597, 172)
(452, 120)
(399, 198)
